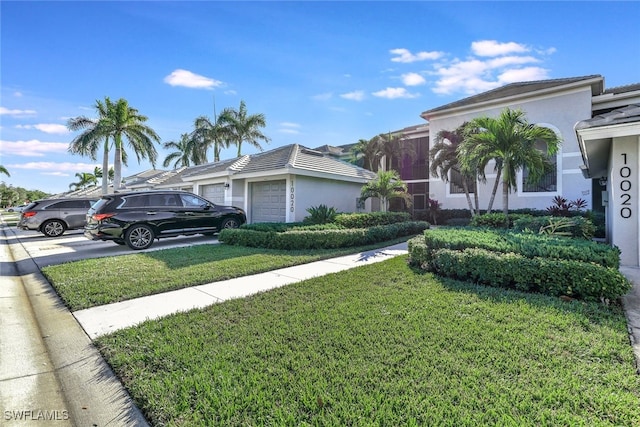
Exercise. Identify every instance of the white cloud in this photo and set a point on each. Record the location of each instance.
(394, 93)
(356, 95)
(18, 113)
(32, 147)
(494, 48)
(47, 128)
(405, 56)
(56, 169)
(524, 75)
(188, 79)
(289, 128)
(413, 79)
(323, 96)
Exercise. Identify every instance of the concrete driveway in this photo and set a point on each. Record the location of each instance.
(73, 246)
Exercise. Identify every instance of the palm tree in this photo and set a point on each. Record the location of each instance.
(84, 179)
(369, 152)
(510, 140)
(183, 155)
(444, 160)
(89, 141)
(4, 170)
(385, 186)
(205, 135)
(238, 127)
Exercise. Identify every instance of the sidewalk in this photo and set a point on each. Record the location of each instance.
(105, 319)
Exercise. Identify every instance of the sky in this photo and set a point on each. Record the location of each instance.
(327, 72)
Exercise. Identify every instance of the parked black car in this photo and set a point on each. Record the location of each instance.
(52, 217)
(137, 218)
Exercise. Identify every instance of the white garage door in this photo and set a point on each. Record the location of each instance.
(269, 201)
(214, 193)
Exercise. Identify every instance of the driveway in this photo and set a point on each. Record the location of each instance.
(73, 246)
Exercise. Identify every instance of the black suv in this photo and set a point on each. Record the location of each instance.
(137, 218)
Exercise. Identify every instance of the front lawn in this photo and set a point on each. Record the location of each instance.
(92, 282)
(381, 345)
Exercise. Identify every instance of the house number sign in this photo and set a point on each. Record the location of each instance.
(625, 187)
(292, 199)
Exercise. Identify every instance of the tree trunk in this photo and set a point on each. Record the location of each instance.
(476, 200)
(465, 186)
(494, 191)
(505, 197)
(105, 167)
(117, 164)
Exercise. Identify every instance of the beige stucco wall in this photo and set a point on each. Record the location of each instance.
(312, 192)
(560, 112)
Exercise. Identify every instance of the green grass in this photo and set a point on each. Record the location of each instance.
(92, 282)
(382, 345)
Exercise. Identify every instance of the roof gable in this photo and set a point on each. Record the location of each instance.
(518, 90)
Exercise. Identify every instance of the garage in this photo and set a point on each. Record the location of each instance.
(213, 192)
(269, 201)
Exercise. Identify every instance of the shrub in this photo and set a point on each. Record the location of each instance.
(495, 220)
(327, 238)
(576, 226)
(365, 220)
(320, 215)
(554, 277)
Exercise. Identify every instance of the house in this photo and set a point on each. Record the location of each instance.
(610, 146)
(278, 185)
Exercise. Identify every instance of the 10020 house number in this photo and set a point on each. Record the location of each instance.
(625, 187)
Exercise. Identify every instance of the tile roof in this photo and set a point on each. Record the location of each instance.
(302, 158)
(513, 89)
(628, 114)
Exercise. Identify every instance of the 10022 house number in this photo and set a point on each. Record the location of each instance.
(625, 187)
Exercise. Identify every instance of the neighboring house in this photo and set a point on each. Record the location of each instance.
(278, 185)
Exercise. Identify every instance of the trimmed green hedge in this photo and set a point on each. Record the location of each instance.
(528, 262)
(554, 277)
(529, 245)
(372, 219)
(298, 238)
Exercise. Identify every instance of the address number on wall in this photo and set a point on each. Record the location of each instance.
(625, 186)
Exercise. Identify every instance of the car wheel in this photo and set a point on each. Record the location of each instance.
(229, 223)
(53, 228)
(139, 236)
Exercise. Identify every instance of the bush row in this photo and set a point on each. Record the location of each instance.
(574, 226)
(554, 277)
(320, 239)
(528, 262)
(372, 219)
(528, 244)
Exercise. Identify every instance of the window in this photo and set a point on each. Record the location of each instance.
(548, 183)
(456, 183)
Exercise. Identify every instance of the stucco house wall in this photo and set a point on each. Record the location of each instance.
(312, 192)
(558, 111)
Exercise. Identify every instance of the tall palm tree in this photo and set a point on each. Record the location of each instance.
(510, 140)
(89, 142)
(183, 156)
(385, 186)
(444, 160)
(4, 170)
(369, 151)
(238, 127)
(205, 135)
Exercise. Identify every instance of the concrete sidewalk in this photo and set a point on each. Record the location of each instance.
(104, 319)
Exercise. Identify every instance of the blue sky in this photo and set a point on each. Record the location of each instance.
(321, 72)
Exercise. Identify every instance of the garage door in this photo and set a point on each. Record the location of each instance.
(269, 201)
(214, 193)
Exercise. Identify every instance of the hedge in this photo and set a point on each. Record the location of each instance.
(554, 277)
(320, 239)
(529, 245)
(372, 219)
